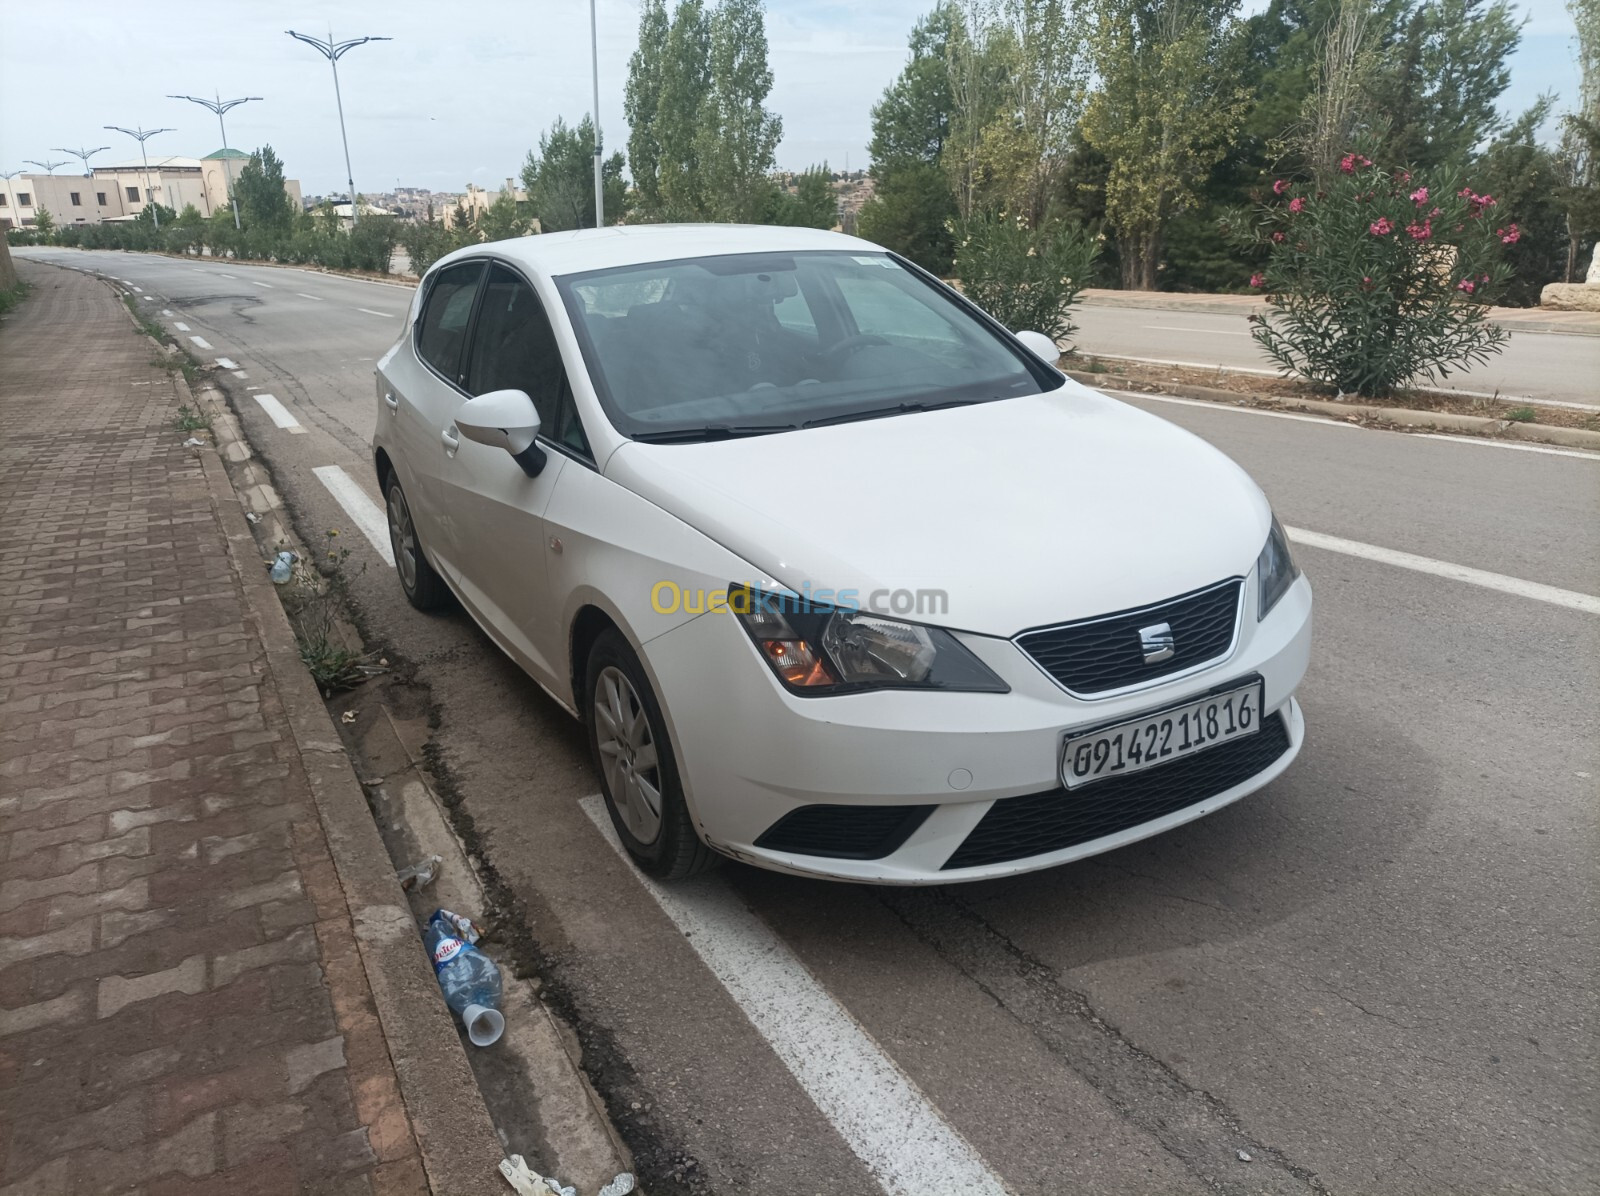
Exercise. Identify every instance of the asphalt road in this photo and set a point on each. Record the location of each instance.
(1375, 976)
(1545, 366)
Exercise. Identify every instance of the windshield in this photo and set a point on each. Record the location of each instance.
(751, 343)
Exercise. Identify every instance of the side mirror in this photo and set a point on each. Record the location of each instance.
(1041, 346)
(504, 419)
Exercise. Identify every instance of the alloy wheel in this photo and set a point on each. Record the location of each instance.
(628, 754)
(402, 538)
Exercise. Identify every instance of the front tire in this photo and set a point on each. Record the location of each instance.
(638, 774)
(423, 587)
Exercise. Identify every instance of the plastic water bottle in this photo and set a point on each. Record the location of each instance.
(470, 981)
(283, 568)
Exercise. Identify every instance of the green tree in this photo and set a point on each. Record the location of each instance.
(737, 137)
(263, 202)
(1165, 112)
(506, 218)
(43, 222)
(189, 217)
(1525, 177)
(559, 178)
(1579, 153)
(642, 99)
(675, 126)
(812, 204)
(911, 213)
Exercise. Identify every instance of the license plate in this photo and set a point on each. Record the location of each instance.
(1166, 735)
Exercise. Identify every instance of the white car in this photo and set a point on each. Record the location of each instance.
(844, 578)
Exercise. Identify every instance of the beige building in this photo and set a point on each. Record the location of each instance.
(120, 192)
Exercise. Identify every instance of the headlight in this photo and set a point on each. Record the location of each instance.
(1275, 570)
(826, 650)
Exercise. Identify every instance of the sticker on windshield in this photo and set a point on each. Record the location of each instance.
(886, 262)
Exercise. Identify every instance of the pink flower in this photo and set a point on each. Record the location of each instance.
(1257, 280)
(1381, 227)
(1486, 201)
(1466, 193)
(1279, 187)
(1467, 285)
(1366, 282)
(1404, 176)
(1278, 237)
(1420, 232)
(1483, 278)
(1348, 164)
(1510, 235)
(1297, 204)
(1420, 196)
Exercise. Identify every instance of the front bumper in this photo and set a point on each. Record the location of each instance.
(749, 752)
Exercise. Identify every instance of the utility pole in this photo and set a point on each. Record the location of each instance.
(84, 154)
(333, 51)
(141, 135)
(219, 106)
(48, 167)
(594, 62)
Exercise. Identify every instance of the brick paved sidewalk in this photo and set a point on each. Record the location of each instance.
(182, 1006)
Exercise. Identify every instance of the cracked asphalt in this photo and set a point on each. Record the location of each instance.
(1375, 976)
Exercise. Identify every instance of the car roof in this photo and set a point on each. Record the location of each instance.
(585, 249)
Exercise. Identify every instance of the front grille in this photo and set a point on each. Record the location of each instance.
(1096, 655)
(1018, 827)
(844, 832)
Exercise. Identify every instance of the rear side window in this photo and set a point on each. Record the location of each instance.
(442, 330)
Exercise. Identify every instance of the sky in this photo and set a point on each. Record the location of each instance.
(462, 92)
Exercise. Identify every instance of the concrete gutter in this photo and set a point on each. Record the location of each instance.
(1401, 417)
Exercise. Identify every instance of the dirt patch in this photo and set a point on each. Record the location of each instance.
(1161, 378)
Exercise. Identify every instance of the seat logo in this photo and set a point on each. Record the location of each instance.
(1157, 643)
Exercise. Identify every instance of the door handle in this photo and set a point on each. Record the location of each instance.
(450, 440)
(390, 401)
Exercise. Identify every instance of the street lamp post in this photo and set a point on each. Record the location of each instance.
(48, 167)
(219, 106)
(141, 135)
(85, 154)
(333, 51)
(594, 63)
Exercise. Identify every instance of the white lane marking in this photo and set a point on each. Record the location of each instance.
(363, 512)
(386, 315)
(279, 414)
(165, 312)
(313, 298)
(1202, 331)
(1330, 422)
(180, 326)
(201, 342)
(220, 274)
(227, 363)
(240, 374)
(1581, 454)
(254, 283)
(136, 288)
(1516, 586)
(890, 1125)
(147, 298)
(1308, 419)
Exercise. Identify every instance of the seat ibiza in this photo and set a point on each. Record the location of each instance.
(843, 578)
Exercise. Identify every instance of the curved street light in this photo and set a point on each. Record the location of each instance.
(219, 106)
(141, 135)
(85, 154)
(48, 167)
(333, 51)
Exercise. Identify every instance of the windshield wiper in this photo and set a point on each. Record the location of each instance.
(880, 412)
(710, 432)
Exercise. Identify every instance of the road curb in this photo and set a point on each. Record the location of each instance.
(1405, 417)
(455, 1135)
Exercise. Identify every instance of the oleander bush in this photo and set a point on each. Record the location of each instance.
(1379, 279)
(1027, 278)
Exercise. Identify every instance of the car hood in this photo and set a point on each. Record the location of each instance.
(1025, 512)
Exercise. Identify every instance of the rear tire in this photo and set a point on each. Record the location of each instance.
(638, 774)
(423, 587)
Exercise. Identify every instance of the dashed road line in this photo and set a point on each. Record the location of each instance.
(180, 326)
(386, 315)
(220, 274)
(890, 1125)
(254, 283)
(201, 342)
(166, 311)
(227, 363)
(279, 414)
(363, 512)
(135, 288)
(313, 298)
(1516, 586)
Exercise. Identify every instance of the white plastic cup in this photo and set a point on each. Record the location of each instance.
(484, 1025)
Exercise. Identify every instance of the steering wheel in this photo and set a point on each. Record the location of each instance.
(851, 344)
